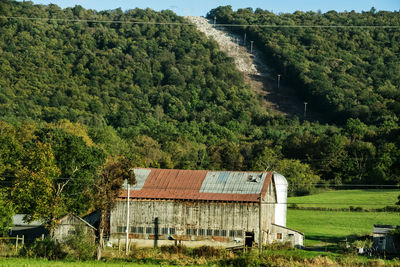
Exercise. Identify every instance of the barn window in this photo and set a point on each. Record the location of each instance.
(223, 232)
(121, 229)
(279, 236)
(149, 230)
(140, 230)
(191, 231)
(164, 231)
(133, 229)
(216, 232)
(232, 233)
(171, 231)
(202, 232)
(209, 232)
(239, 233)
(71, 232)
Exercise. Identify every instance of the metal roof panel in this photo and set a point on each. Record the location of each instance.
(199, 185)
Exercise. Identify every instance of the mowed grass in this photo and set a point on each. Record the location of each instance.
(322, 227)
(367, 199)
(334, 226)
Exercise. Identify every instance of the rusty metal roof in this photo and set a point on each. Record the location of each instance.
(199, 185)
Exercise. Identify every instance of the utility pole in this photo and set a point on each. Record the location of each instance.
(260, 226)
(279, 79)
(305, 109)
(251, 46)
(127, 222)
(244, 39)
(215, 20)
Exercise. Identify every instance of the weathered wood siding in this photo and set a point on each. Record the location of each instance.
(69, 226)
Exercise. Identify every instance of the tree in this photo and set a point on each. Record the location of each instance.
(300, 177)
(6, 214)
(108, 188)
(78, 164)
(267, 160)
(35, 191)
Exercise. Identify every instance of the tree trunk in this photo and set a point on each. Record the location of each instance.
(100, 245)
(51, 232)
(99, 250)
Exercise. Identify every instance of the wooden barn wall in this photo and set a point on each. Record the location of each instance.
(182, 215)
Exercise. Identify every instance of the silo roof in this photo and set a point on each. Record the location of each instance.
(199, 185)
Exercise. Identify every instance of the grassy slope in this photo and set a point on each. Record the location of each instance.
(333, 226)
(373, 198)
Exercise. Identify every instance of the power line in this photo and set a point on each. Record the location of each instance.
(192, 24)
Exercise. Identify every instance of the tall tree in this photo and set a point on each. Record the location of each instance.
(36, 191)
(108, 188)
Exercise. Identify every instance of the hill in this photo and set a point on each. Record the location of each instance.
(345, 63)
(149, 85)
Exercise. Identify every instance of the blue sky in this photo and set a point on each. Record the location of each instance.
(201, 7)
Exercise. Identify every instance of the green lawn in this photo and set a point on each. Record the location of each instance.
(333, 226)
(372, 199)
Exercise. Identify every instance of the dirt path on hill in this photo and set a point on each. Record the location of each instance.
(263, 80)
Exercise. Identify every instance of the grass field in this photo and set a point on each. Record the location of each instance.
(328, 227)
(11, 262)
(369, 199)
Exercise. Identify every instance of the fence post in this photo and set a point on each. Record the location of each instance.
(16, 244)
(23, 240)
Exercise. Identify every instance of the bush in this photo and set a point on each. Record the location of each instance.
(279, 246)
(245, 260)
(46, 248)
(174, 249)
(207, 251)
(80, 246)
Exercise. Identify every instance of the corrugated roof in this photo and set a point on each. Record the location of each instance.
(18, 219)
(383, 229)
(199, 185)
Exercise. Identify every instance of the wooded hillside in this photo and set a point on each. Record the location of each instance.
(149, 86)
(346, 63)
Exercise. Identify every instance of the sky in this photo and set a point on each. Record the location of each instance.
(201, 7)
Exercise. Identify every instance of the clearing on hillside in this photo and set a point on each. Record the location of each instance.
(264, 82)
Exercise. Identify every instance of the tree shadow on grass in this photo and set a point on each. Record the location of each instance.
(333, 243)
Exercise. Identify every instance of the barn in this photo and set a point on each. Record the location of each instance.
(200, 207)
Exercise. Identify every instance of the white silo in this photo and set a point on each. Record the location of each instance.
(281, 188)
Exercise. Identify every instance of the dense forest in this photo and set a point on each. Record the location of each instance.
(79, 88)
(346, 63)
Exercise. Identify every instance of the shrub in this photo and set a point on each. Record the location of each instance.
(207, 251)
(250, 259)
(279, 246)
(174, 249)
(80, 246)
(46, 248)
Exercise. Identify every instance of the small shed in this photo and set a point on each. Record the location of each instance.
(30, 231)
(70, 225)
(385, 240)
